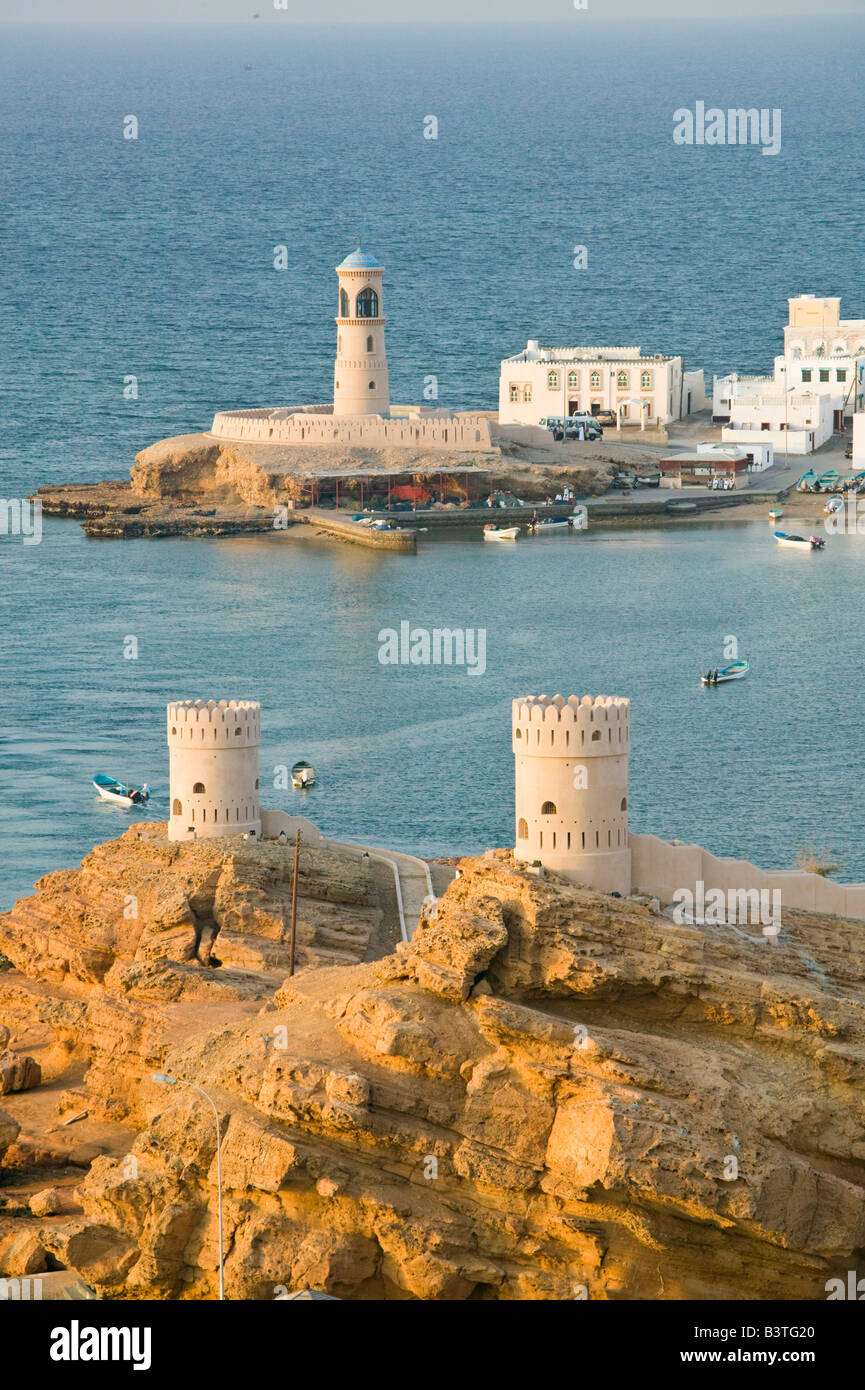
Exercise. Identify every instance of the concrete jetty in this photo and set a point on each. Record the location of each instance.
(402, 540)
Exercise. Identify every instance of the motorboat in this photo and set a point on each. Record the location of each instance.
(547, 525)
(807, 481)
(722, 674)
(110, 789)
(775, 514)
(828, 481)
(303, 775)
(835, 504)
(800, 542)
(500, 533)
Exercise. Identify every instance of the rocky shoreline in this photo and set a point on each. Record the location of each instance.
(546, 1094)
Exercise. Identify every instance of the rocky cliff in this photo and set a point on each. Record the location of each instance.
(547, 1094)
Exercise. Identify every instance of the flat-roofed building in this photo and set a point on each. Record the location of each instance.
(539, 384)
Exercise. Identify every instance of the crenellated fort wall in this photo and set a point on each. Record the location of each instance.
(318, 425)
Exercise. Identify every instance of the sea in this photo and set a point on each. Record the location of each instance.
(141, 294)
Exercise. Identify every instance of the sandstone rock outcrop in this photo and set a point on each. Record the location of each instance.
(143, 915)
(547, 1092)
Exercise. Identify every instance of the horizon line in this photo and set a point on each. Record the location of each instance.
(605, 22)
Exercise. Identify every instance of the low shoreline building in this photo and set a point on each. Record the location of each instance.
(539, 383)
(759, 410)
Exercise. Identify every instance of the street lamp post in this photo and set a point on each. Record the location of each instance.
(163, 1079)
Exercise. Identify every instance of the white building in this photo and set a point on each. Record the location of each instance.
(540, 383)
(824, 357)
(759, 411)
(823, 353)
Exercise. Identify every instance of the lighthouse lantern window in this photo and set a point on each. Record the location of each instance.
(367, 304)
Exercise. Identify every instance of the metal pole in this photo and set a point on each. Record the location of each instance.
(293, 936)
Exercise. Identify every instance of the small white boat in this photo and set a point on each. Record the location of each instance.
(834, 504)
(800, 542)
(734, 672)
(500, 533)
(119, 792)
(549, 525)
(303, 775)
(775, 514)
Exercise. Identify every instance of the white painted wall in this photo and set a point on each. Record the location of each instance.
(547, 380)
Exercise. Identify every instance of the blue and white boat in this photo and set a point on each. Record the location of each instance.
(119, 792)
(721, 674)
(799, 542)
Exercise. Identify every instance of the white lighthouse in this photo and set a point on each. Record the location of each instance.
(571, 785)
(360, 384)
(214, 768)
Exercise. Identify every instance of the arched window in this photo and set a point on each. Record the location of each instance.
(820, 350)
(370, 343)
(216, 814)
(256, 784)
(624, 805)
(572, 379)
(198, 789)
(548, 808)
(595, 381)
(552, 381)
(622, 381)
(174, 731)
(515, 393)
(237, 732)
(522, 830)
(344, 306)
(596, 735)
(645, 381)
(372, 386)
(367, 304)
(519, 733)
(176, 807)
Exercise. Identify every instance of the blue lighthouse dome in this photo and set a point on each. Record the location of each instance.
(360, 260)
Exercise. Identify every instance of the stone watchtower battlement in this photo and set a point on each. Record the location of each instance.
(213, 749)
(571, 785)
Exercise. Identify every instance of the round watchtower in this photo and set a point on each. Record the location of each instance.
(214, 768)
(571, 784)
(360, 381)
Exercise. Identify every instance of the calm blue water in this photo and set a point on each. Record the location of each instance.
(154, 258)
(419, 757)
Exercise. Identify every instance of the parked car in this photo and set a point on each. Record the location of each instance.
(605, 417)
(623, 482)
